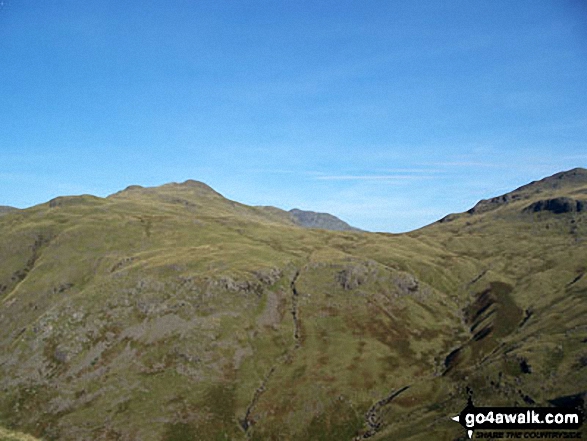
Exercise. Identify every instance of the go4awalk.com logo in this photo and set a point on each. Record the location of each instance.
(520, 422)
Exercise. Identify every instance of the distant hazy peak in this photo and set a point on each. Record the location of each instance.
(326, 221)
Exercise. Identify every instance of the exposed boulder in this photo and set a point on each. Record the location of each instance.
(557, 206)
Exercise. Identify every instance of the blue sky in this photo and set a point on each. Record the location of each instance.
(388, 114)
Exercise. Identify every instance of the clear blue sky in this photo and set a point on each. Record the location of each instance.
(388, 114)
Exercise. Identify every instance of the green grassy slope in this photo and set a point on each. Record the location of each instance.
(6, 209)
(9, 435)
(172, 313)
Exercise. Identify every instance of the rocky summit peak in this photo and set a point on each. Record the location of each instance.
(571, 178)
(133, 187)
(190, 183)
(194, 183)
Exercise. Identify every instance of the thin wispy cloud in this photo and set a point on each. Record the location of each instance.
(372, 177)
(285, 172)
(414, 170)
(12, 176)
(465, 164)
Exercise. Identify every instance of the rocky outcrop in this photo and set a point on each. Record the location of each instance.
(493, 203)
(372, 417)
(557, 206)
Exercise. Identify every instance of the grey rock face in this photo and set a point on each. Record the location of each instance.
(312, 219)
(558, 206)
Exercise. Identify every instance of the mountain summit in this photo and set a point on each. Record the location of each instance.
(192, 194)
(560, 193)
(555, 183)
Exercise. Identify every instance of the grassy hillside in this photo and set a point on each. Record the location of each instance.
(6, 209)
(172, 313)
(9, 435)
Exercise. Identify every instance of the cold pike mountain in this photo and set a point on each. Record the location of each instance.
(192, 194)
(172, 313)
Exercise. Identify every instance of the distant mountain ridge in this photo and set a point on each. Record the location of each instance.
(574, 177)
(194, 195)
(557, 201)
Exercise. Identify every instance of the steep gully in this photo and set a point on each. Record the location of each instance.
(372, 418)
(248, 421)
(18, 277)
(295, 311)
